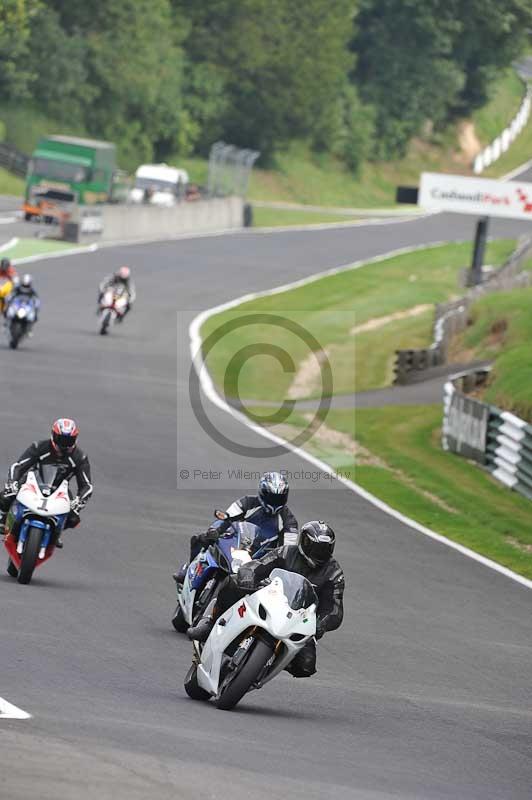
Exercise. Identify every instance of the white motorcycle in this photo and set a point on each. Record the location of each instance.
(254, 640)
(35, 520)
(113, 305)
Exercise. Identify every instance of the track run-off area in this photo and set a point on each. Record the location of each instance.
(425, 690)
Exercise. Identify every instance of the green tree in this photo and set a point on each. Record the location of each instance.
(134, 67)
(282, 65)
(492, 35)
(15, 72)
(406, 67)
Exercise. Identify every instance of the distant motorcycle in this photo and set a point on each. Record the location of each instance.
(112, 307)
(35, 520)
(254, 640)
(20, 318)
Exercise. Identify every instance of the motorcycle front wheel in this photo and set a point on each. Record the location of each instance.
(15, 334)
(246, 676)
(106, 321)
(30, 555)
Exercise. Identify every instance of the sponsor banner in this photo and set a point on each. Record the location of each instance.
(466, 427)
(90, 220)
(479, 196)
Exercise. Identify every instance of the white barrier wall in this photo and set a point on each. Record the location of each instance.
(501, 144)
(131, 222)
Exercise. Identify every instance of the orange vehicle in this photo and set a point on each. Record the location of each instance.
(50, 206)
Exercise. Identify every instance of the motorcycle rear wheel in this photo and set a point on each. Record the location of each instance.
(191, 685)
(178, 620)
(11, 569)
(30, 555)
(237, 687)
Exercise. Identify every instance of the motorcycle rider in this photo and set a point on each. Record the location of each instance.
(119, 279)
(24, 288)
(267, 508)
(60, 450)
(312, 557)
(8, 276)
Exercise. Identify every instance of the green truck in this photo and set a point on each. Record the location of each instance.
(67, 170)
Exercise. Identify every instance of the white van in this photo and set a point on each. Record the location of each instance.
(159, 185)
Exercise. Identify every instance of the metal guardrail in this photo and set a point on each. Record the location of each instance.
(496, 439)
(13, 159)
(500, 145)
(452, 318)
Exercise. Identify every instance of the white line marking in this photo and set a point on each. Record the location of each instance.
(7, 220)
(211, 393)
(8, 245)
(72, 251)
(9, 711)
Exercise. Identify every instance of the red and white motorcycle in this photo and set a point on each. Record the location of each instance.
(35, 520)
(112, 307)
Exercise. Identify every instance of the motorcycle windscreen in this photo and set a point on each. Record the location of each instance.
(48, 477)
(298, 591)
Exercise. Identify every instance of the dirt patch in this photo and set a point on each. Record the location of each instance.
(468, 141)
(523, 548)
(308, 376)
(498, 334)
(379, 322)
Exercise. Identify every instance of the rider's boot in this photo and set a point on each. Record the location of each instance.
(3, 515)
(200, 632)
(59, 543)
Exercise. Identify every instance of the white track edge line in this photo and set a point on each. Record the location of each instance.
(211, 393)
(8, 245)
(9, 711)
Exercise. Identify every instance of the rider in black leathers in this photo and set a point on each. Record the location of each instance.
(267, 505)
(312, 557)
(60, 450)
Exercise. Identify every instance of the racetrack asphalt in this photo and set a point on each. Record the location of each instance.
(424, 692)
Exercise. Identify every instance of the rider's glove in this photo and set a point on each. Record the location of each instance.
(76, 505)
(11, 487)
(210, 536)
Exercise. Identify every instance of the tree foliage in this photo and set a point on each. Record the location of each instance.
(169, 77)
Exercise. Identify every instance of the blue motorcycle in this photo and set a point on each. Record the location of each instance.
(20, 318)
(240, 543)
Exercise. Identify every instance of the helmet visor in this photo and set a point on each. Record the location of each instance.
(319, 551)
(65, 442)
(273, 501)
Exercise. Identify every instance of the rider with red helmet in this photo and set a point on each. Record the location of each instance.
(120, 278)
(60, 450)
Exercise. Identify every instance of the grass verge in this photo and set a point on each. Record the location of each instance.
(393, 452)
(398, 458)
(329, 309)
(34, 247)
(10, 184)
(501, 329)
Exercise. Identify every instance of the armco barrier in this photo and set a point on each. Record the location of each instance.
(451, 318)
(497, 439)
(500, 145)
(115, 223)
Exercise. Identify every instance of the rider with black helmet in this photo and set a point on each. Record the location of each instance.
(267, 508)
(59, 450)
(311, 557)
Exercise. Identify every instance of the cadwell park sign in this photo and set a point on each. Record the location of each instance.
(479, 196)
